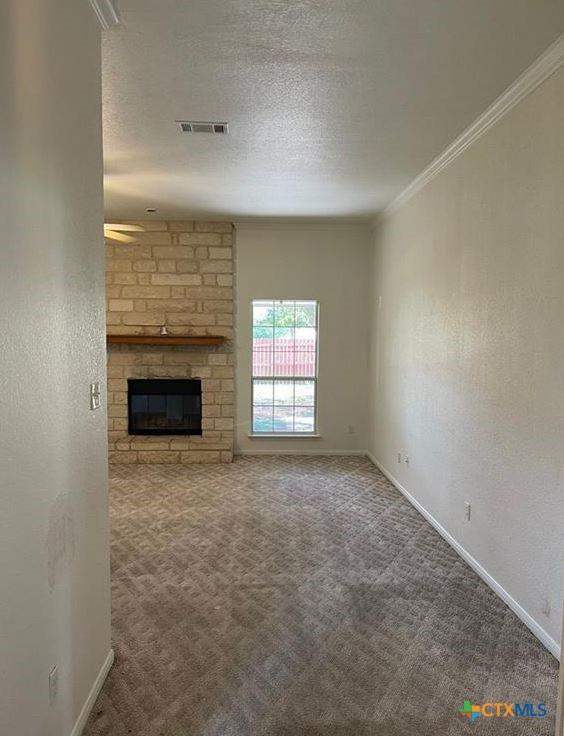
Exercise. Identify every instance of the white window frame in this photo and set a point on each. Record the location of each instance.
(314, 378)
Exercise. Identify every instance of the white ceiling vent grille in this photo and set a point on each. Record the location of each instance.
(193, 126)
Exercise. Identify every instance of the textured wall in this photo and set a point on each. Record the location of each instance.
(467, 376)
(54, 551)
(178, 274)
(327, 262)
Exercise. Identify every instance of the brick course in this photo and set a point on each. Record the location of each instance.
(179, 274)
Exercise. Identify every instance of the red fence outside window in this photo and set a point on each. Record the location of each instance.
(284, 357)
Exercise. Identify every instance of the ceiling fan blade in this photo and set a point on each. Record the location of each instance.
(124, 228)
(120, 237)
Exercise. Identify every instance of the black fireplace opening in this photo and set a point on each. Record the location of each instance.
(164, 406)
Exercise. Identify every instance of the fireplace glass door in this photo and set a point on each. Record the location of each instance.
(165, 406)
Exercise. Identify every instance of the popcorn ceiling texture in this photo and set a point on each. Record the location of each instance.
(178, 274)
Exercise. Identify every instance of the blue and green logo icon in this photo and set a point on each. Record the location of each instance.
(470, 710)
(473, 711)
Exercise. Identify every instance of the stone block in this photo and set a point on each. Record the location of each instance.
(158, 456)
(186, 266)
(223, 423)
(155, 237)
(146, 292)
(118, 458)
(185, 318)
(200, 456)
(176, 279)
(125, 279)
(216, 266)
(143, 318)
(181, 226)
(199, 239)
(118, 264)
(120, 305)
(173, 251)
(213, 227)
(221, 253)
(166, 265)
(145, 265)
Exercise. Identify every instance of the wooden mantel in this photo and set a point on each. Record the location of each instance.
(165, 339)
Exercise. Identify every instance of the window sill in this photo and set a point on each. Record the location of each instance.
(282, 436)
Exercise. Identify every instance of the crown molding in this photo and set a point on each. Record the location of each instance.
(376, 220)
(546, 64)
(105, 12)
(302, 222)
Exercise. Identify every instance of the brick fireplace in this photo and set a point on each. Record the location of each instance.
(180, 275)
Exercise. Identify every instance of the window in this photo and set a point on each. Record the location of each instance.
(284, 387)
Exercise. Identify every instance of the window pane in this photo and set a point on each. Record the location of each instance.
(262, 363)
(306, 314)
(283, 338)
(306, 338)
(284, 363)
(263, 336)
(263, 313)
(283, 419)
(305, 364)
(304, 419)
(263, 393)
(304, 393)
(284, 393)
(284, 351)
(262, 419)
(284, 314)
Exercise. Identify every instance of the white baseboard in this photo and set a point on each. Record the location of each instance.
(272, 451)
(93, 694)
(517, 609)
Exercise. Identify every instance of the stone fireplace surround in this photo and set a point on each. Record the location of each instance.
(179, 274)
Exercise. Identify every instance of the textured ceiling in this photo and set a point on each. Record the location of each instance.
(334, 106)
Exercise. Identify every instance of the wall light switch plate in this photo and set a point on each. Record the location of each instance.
(95, 396)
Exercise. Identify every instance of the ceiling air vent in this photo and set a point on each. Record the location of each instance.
(192, 126)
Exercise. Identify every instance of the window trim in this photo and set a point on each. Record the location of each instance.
(277, 434)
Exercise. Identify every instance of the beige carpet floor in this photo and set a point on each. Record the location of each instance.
(299, 596)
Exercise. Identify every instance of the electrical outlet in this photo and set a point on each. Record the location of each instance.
(350, 429)
(545, 610)
(407, 460)
(467, 511)
(53, 685)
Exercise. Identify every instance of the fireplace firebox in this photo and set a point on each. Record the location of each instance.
(164, 406)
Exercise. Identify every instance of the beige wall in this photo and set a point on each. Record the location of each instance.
(327, 262)
(54, 561)
(467, 375)
(178, 274)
